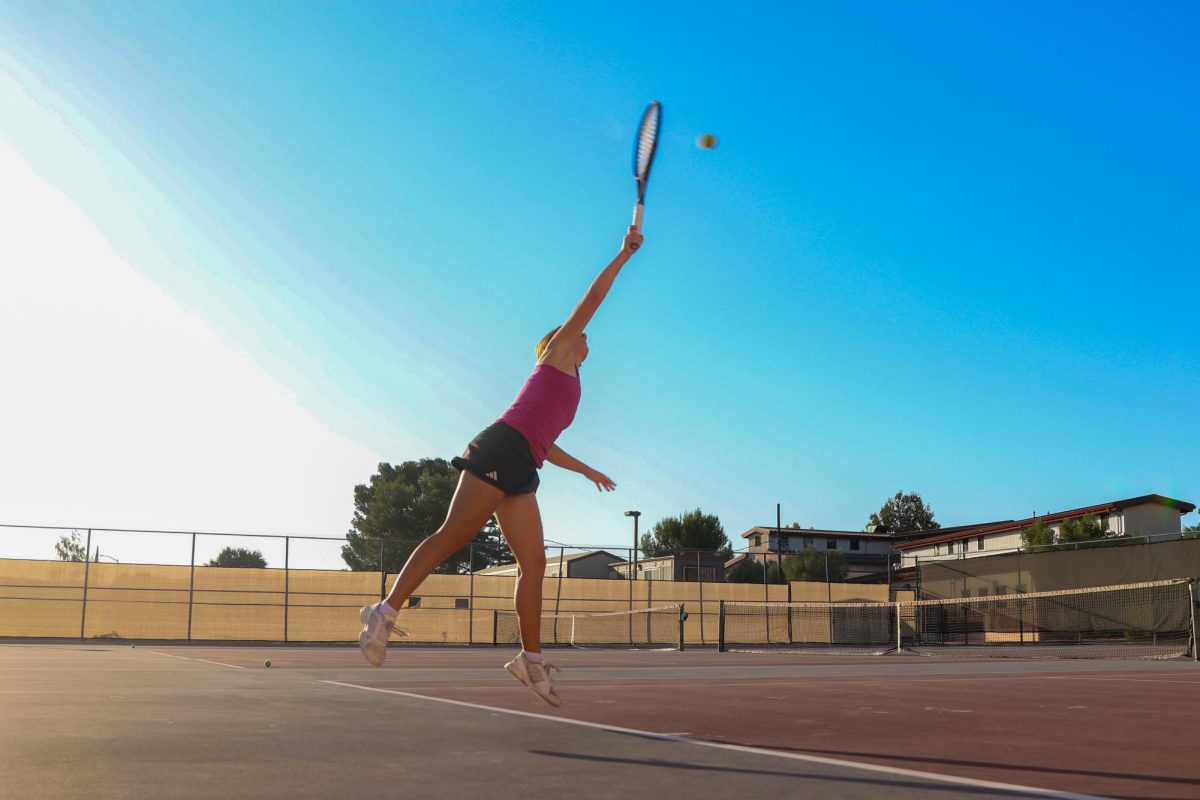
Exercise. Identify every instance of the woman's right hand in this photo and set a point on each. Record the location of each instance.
(633, 240)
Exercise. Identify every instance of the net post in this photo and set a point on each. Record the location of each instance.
(495, 628)
(721, 627)
(87, 565)
(1192, 617)
(899, 633)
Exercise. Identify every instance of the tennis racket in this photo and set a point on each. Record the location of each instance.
(643, 156)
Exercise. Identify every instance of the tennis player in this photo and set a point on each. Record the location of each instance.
(500, 477)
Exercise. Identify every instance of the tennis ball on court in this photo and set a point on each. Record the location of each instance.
(268, 663)
(706, 141)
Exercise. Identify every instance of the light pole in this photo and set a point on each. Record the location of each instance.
(633, 561)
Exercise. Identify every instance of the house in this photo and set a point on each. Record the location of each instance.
(867, 552)
(588, 564)
(1137, 516)
(690, 566)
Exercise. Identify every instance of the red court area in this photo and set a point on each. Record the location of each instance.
(1125, 729)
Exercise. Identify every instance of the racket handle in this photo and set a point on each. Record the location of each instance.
(637, 215)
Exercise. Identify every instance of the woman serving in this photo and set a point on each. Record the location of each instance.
(500, 477)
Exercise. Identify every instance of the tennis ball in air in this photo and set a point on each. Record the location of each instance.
(706, 141)
(268, 663)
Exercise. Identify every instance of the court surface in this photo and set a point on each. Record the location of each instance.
(101, 720)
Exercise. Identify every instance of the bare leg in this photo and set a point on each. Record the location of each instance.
(474, 501)
(521, 523)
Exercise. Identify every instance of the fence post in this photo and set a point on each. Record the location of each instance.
(287, 575)
(87, 565)
(558, 590)
(721, 626)
(471, 594)
(632, 578)
(382, 572)
(828, 585)
(192, 588)
(1195, 641)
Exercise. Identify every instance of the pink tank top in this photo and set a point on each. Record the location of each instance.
(544, 408)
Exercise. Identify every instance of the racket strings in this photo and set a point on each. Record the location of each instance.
(647, 139)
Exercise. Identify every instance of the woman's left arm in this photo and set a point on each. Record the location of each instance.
(560, 458)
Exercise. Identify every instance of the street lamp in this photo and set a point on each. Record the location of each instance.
(633, 561)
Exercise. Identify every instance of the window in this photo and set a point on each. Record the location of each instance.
(462, 602)
(949, 547)
(831, 544)
(979, 543)
(783, 543)
(808, 541)
(757, 540)
(414, 602)
(854, 544)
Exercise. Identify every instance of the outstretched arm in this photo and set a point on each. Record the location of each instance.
(583, 313)
(559, 458)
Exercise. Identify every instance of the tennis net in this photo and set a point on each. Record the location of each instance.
(1140, 620)
(644, 628)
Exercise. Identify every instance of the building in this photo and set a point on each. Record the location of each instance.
(1137, 516)
(588, 564)
(867, 552)
(690, 566)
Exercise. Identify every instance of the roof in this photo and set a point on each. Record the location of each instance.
(871, 535)
(503, 568)
(688, 555)
(577, 556)
(816, 534)
(970, 531)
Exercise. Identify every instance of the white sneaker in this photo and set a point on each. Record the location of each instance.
(536, 675)
(377, 627)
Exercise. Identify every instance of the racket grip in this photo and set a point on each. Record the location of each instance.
(637, 215)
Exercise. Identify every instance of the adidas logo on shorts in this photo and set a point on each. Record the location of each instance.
(493, 476)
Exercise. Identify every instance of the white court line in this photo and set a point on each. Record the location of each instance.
(737, 748)
(1129, 680)
(202, 660)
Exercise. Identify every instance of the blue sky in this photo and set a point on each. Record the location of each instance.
(941, 247)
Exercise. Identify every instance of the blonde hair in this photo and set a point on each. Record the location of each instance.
(544, 343)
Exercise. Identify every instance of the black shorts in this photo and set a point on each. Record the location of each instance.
(500, 456)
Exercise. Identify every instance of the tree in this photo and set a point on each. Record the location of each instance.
(70, 548)
(746, 571)
(238, 557)
(1084, 529)
(1039, 534)
(404, 504)
(904, 513)
(810, 565)
(694, 530)
(750, 571)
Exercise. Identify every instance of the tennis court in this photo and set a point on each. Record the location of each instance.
(87, 720)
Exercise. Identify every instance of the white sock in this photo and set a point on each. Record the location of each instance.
(386, 609)
(534, 657)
